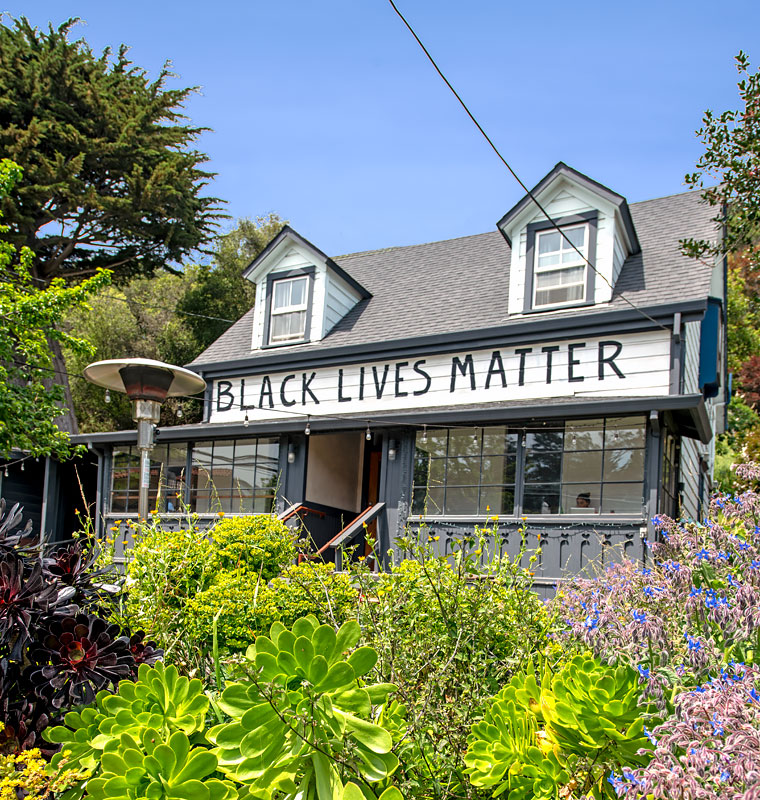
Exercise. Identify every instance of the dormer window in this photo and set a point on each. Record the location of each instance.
(289, 306)
(556, 273)
(560, 271)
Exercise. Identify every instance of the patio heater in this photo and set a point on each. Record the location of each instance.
(147, 384)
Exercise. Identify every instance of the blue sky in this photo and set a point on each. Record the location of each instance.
(329, 114)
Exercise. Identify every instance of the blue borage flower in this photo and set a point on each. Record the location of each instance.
(725, 556)
(703, 555)
(695, 592)
(755, 564)
(591, 622)
(650, 735)
(639, 616)
(717, 725)
(754, 696)
(693, 642)
(724, 776)
(643, 671)
(732, 581)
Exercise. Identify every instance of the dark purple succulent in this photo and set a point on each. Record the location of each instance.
(24, 593)
(143, 652)
(23, 538)
(77, 657)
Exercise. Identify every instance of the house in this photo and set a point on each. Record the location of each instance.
(560, 380)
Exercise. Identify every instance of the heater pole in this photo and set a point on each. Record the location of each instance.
(146, 413)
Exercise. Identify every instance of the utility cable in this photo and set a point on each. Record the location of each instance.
(512, 171)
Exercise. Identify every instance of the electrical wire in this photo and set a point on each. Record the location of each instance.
(512, 171)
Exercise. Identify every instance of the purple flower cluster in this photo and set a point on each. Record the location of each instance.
(710, 746)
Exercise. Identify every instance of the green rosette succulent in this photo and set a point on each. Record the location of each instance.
(303, 726)
(158, 768)
(561, 737)
(160, 700)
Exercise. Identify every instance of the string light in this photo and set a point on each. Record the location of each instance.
(368, 434)
(22, 466)
(5, 471)
(245, 421)
(107, 396)
(424, 434)
(307, 429)
(180, 412)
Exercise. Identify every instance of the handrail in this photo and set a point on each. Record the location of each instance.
(297, 508)
(353, 527)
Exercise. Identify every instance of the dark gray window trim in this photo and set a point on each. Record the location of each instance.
(278, 276)
(590, 217)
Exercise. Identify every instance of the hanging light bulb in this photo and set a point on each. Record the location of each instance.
(23, 465)
(180, 412)
(307, 429)
(245, 421)
(574, 439)
(424, 434)
(107, 396)
(368, 434)
(5, 471)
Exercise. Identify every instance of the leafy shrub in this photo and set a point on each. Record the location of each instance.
(302, 725)
(561, 737)
(449, 631)
(180, 580)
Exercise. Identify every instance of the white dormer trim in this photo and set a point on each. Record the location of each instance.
(570, 199)
(331, 292)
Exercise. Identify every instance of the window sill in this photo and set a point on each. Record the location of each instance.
(584, 519)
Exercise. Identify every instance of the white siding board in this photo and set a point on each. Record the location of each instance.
(691, 357)
(689, 476)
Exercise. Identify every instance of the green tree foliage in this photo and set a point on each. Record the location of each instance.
(111, 175)
(169, 317)
(29, 319)
(732, 158)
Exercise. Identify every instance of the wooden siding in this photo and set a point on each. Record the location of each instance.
(340, 298)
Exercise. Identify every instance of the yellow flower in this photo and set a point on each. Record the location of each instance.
(221, 513)
(436, 538)
(495, 518)
(478, 552)
(488, 508)
(114, 527)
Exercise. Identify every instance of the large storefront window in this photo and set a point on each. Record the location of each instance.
(235, 476)
(467, 471)
(577, 467)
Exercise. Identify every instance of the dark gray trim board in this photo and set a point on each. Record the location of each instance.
(272, 278)
(562, 169)
(524, 331)
(589, 217)
(692, 407)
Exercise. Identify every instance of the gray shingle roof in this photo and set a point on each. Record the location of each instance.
(462, 284)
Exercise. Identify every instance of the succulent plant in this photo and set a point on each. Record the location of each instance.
(155, 767)
(24, 593)
(160, 700)
(77, 656)
(20, 539)
(143, 652)
(562, 736)
(303, 725)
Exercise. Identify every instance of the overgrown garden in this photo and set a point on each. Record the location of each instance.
(215, 666)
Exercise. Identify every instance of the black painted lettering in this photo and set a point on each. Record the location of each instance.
(305, 383)
(417, 367)
(550, 350)
(522, 352)
(380, 385)
(243, 406)
(399, 380)
(283, 398)
(496, 367)
(609, 360)
(341, 397)
(223, 390)
(462, 367)
(573, 362)
(361, 383)
(266, 391)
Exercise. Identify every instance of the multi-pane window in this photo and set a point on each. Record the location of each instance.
(234, 476)
(288, 313)
(585, 467)
(560, 270)
(579, 467)
(465, 471)
(669, 483)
